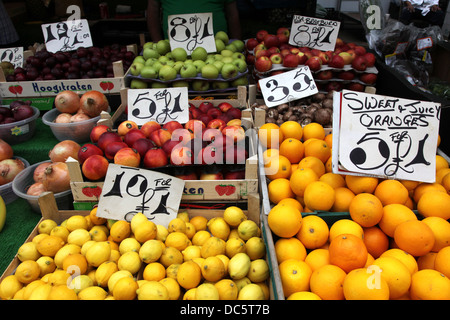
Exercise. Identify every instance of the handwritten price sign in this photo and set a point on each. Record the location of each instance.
(189, 31)
(314, 33)
(160, 105)
(288, 86)
(127, 191)
(67, 35)
(385, 136)
(12, 55)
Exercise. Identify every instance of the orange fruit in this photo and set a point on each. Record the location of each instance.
(329, 164)
(313, 130)
(314, 232)
(289, 248)
(441, 173)
(408, 260)
(292, 149)
(199, 222)
(314, 163)
(376, 241)
(396, 275)
(445, 181)
(409, 184)
(415, 237)
(291, 202)
(300, 179)
(391, 191)
(345, 226)
(333, 179)
(441, 231)
(278, 167)
(269, 154)
(364, 284)
(424, 187)
(343, 198)
(393, 215)
(441, 163)
(329, 139)
(120, 230)
(295, 276)
(429, 284)
(284, 221)
(270, 136)
(441, 261)
(75, 263)
(319, 195)
(319, 149)
(294, 166)
(360, 184)
(291, 129)
(303, 295)
(317, 258)
(327, 282)
(94, 219)
(279, 189)
(366, 209)
(348, 252)
(434, 204)
(426, 261)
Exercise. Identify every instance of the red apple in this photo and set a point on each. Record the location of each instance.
(225, 117)
(295, 50)
(276, 58)
(283, 30)
(251, 44)
(360, 50)
(259, 47)
(112, 148)
(211, 176)
(181, 156)
(106, 138)
(337, 61)
(339, 43)
(302, 57)
(250, 59)
(346, 75)
(368, 78)
(235, 113)
(235, 132)
(234, 175)
(155, 157)
(97, 131)
(347, 57)
(359, 63)
(261, 53)
(142, 145)
(189, 175)
(371, 59)
(160, 136)
(314, 63)
(355, 86)
(324, 75)
(95, 167)
(273, 50)
(171, 126)
(205, 106)
(334, 86)
(261, 34)
(271, 40)
(204, 118)
(216, 124)
(263, 64)
(223, 141)
(210, 155)
(168, 146)
(127, 157)
(315, 52)
(235, 155)
(290, 60)
(194, 112)
(182, 135)
(150, 126)
(133, 135)
(224, 106)
(285, 52)
(195, 126)
(211, 134)
(214, 112)
(324, 56)
(282, 38)
(87, 150)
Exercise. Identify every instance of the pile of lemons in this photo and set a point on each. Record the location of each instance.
(92, 258)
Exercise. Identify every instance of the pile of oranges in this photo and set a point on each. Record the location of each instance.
(379, 249)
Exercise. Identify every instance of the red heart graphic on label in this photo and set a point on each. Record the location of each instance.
(110, 85)
(104, 85)
(19, 89)
(12, 89)
(221, 189)
(230, 190)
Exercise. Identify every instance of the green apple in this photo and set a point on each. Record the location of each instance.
(241, 81)
(135, 68)
(227, 60)
(240, 64)
(210, 60)
(187, 61)
(170, 56)
(220, 85)
(180, 83)
(150, 61)
(139, 59)
(222, 35)
(199, 64)
(163, 46)
(149, 44)
(179, 54)
(149, 72)
(239, 44)
(200, 85)
(229, 70)
(157, 65)
(218, 64)
(167, 73)
(150, 53)
(238, 55)
(164, 60)
(178, 65)
(188, 71)
(231, 47)
(219, 45)
(158, 85)
(227, 53)
(199, 53)
(138, 84)
(218, 56)
(209, 71)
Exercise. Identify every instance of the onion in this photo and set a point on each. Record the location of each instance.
(22, 112)
(64, 149)
(36, 189)
(9, 168)
(39, 171)
(80, 116)
(57, 178)
(6, 151)
(63, 118)
(93, 103)
(67, 102)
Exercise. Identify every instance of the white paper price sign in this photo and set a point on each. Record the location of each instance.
(160, 105)
(128, 190)
(12, 55)
(288, 86)
(314, 33)
(67, 35)
(190, 31)
(385, 136)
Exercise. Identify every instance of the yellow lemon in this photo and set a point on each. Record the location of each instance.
(251, 292)
(212, 247)
(234, 216)
(171, 271)
(46, 264)
(92, 293)
(125, 289)
(240, 283)
(81, 282)
(150, 251)
(177, 224)
(27, 271)
(239, 266)
(199, 222)
(259, 270)
(152, 290)
(206, 291)
(219, 228)
(177, 239)
(189, 275)
(98, 253)
(154, 271)
(76, 222)
(39, 237)
(46, 226)
(256, 248)
(161, 232)
(41, 292)
(171, 255)
(234, 246)
(129, 244)
(172, 287)
(98, 233)
(104, 272)
(191, 252)
(227, 289)
(213, 269)
(130, 261)
(190, 230)
(200, 237)
(62, 292)
(248, 229)
(116, 276)
(189, 294)
(9, 287)
(137, 219)
(59, 276)
(50, 245)
(28, 251)
(183, 215)
(60, 231)
(79, 237)
(146, 230)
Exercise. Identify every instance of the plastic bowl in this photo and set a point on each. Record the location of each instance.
(19, 131)
(24, 179)
(76, 131)
(6, 191)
